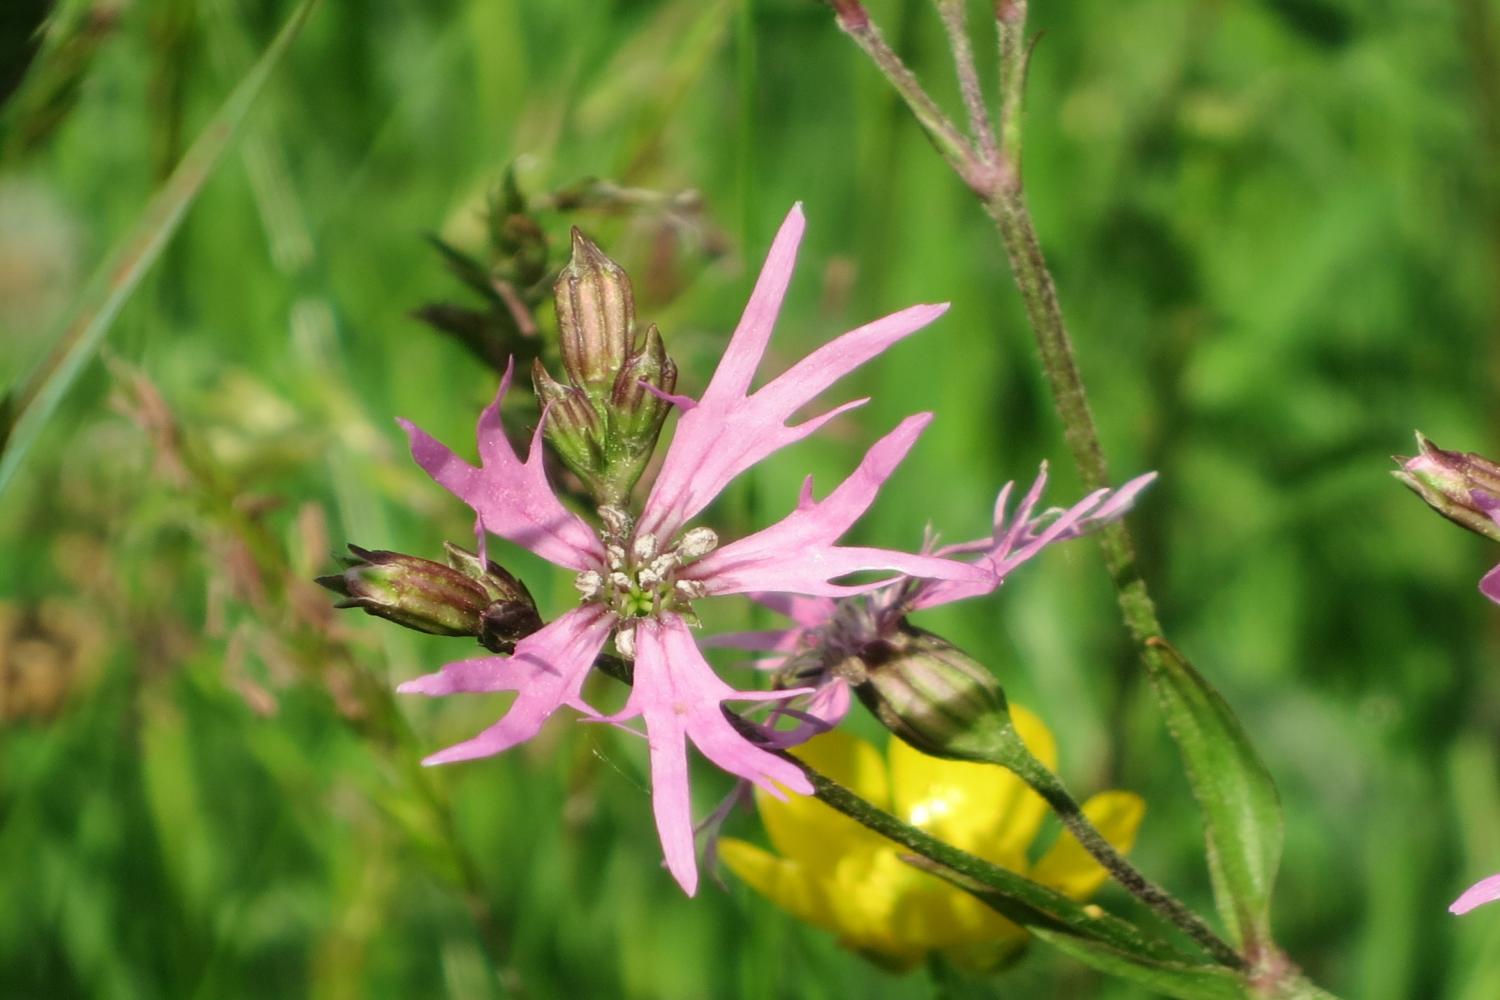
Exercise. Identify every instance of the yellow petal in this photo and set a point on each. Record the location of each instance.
(981, 808)
(851, 761)
(885, 906)
(860, 898)
(783, 882)
(805, 830)
(1068, 868)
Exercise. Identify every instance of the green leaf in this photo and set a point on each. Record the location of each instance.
(1172, 979)
(1241, 811)
(1009, 893)
(25, 409)
(1039, 908)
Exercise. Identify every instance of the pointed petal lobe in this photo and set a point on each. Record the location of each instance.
(680, 698)
(730, 430)
(512, 498)
(798, 555)
(547, 671)
(1481, 892)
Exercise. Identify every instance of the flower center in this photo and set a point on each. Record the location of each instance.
(639, 577)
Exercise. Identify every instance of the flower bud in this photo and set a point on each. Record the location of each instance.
(573, 426)
(595, 310)
(417, 593)
(1462, 486)
(639, 412)
(469, 596)
(932, 695)
(512, 614)
(506, 623)
(499, 585)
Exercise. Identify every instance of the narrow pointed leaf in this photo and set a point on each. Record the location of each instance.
(25, 409)
(1170, 979)
(1241, 810)
(1039, 908)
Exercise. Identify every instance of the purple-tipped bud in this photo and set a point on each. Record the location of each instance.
(469, 596)
(1462, 486)
(638, 412)
(595, 311)
(932, 695)
(417, 593)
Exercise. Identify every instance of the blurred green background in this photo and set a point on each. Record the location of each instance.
(1276, 230)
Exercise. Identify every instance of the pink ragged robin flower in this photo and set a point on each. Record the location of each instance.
(826, 633)
(639, 576)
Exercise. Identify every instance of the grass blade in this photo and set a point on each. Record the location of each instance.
(24, 410)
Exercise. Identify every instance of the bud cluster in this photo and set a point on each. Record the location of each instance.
(468, 596)
(605, 419)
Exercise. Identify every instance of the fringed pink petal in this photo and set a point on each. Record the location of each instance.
(763, 641)
(547, 672)
(809, 612)
(1017, 539)
(512, 498)
(730, 430)
(798, 554)
(1490, 585)
(679, 696)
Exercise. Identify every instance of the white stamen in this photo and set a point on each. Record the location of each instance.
(691, 589)
(588, 583)
(697, 543)
(616, 521)
(664, 564)
(615, 554)
(644, 547)
(621, 581)
(625, 642)
(647, 579)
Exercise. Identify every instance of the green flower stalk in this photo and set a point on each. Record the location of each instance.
(937, 698)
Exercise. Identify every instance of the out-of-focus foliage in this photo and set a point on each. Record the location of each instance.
(1276, 230)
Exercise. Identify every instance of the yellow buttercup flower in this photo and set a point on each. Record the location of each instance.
(836, 874)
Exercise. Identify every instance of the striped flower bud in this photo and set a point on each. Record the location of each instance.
(932, 695)
(595, 313)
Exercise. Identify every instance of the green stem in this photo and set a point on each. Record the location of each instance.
(1039, 296)
(945, 136)
(953, 13)
(1026, 902)
(1050, 787)
(1010, 20)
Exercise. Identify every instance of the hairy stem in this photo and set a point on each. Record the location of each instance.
(952, 12)
(945, 136)
(1050, 787)
(1039, 296)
